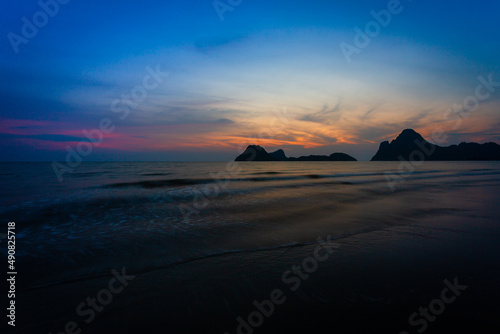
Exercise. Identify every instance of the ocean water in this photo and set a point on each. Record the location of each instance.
(150, 215)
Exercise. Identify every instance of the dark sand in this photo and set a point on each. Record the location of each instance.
(371, 284)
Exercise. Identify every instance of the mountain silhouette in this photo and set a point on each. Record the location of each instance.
(410, 145)
(258, 153)
(279, 155)
(255, 153)
(331, 157)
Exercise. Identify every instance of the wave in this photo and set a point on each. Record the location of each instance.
(155, 183)
(87, 174)
(182, 190)
(267, 173)
(150, 184)
(147, 268)
(151, 268)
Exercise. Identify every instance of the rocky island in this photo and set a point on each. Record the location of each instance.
(258, 153)
(410, 145)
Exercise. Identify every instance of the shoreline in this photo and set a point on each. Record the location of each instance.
(397, 250)
(352, 286)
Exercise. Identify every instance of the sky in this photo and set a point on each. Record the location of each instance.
(199, 80)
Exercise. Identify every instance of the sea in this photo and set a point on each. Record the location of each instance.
(161, 217)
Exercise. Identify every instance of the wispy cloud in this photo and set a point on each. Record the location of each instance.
(46, 137)
(325, 115)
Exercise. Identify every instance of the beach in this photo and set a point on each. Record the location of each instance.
(250, 255)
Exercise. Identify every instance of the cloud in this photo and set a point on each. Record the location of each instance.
(326, 115)
(47, 137)
(368, 113)
(223, 121)
(177, 115)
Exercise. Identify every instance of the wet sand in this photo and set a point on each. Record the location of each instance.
(371, 284)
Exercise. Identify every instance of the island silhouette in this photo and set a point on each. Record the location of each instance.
(408, 145)
(258, 153)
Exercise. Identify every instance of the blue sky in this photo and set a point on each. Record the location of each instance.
(270, 73)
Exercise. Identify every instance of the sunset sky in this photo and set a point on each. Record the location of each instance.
(269, 72)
